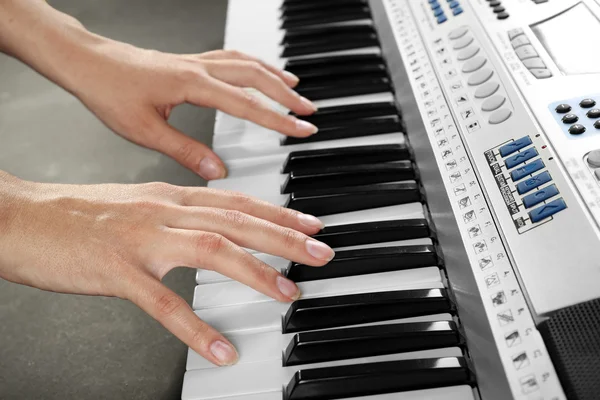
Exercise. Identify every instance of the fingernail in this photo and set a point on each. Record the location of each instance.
(224, 353)
(310, 221)
(291, 77)
(319, 250)
(288, 288)
(308, 104)
(304, 126)
(210, 170)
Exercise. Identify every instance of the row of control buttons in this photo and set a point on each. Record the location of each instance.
(579, 118)
(520, 152)
(498, 9)
(527, 54)
(440, 14)
(481, 74)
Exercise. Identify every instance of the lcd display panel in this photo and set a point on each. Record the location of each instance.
(571, 38)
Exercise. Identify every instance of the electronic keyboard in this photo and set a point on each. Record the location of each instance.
(457, 171)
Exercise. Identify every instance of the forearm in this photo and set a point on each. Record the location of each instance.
(47, 40)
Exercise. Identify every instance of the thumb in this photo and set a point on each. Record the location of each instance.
(188, 152)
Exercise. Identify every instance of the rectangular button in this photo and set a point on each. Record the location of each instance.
(525, 52)
(520, 41)
(540, 195)
(534, 182)
(514, 146)
(527, 169)
(521, 157)
(513, 33)
(547, 210)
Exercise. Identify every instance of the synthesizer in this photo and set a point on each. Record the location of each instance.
(457, 171)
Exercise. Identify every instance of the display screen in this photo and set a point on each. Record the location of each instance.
(571, 39)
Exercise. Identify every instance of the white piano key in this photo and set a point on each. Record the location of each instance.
(265, 345)
(260, 38)
(270, 376)
(446, 393)
(204, 276)
(224, 294)
(400, 211)
(411, 242)
(265, 164)
(263, 186)
(257, 317)
(227, 124)
(271, 147)
(264, 316)
(255, 166)
(361, 99)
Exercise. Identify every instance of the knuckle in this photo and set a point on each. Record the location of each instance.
(235, 219)
(290, 238)
(244, 202)
(188, 75)
(209, 243)
(185, 152)
(148, 206)
(161, 188)
(255, 68)
(235, 54)
(168, 304)
(251, 103)
(199, 337)
(282, 215)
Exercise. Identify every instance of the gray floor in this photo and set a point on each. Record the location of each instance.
(55, 346)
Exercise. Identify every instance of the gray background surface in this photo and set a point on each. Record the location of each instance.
(55, 346)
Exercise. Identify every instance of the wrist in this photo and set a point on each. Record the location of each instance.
(10, 189)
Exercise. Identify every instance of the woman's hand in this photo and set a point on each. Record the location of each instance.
(133, 90)
(121, 240)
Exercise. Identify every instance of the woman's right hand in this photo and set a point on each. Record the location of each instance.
(121, 240)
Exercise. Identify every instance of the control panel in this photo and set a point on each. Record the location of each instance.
(507, 90)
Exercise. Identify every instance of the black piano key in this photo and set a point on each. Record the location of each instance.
(373, 232)
(304, 66)
(309, 45)
(366, 261)
(377, 378)
(340, 156)
(323, 75)
(345, 86)
(348, 175)
(322, 34)
(354, 309)
(297, 19)
(369, 341)
(304, 5)
(351, 129)
(329, 116)
(335, 201)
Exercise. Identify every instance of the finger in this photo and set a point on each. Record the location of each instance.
(237, 102)
(205, 197)
(186, 151)
(176, 315)
(214, 252)
(290, 79)
(253, 74)
(251, 232)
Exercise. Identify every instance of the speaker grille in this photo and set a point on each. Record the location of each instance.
(572, 337)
